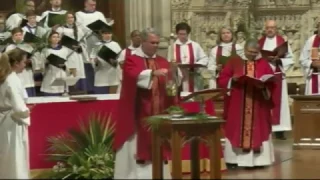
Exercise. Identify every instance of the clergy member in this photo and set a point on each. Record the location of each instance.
(84, 18)
(125, 53)
(186, 51)
(281, 112)
(55, 9)
(14, 118)
(248, 126)
(310, 61)
(142, 95)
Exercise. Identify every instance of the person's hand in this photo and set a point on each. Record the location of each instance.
(30, 107)
(260, 86)
(160, 72)
(273, 58)
(55, 27)
(219, 67)
(316, 64)
(235, 78)
(113, 62)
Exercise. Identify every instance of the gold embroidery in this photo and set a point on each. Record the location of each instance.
(155, 88)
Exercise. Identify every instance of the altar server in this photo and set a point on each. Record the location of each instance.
(310, 62)
(125, 53)
(79, 54)
(281, 111)
(19, 19)
(106, 79)
(84, 18)
(54, 71)
(186, 51)
(248, 127)
(14, 118)
(226, 47)
(54, 17)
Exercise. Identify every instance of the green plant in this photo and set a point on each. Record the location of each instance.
(85, 153)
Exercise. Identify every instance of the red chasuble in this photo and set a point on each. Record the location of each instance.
(277, 94)
(314, 77)
(136, 104)
(192, 61)
(248, 121)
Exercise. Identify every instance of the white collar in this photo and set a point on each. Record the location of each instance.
(133, 48)
(226, 44)
(140, 53)
(56, 10)
(180, 43)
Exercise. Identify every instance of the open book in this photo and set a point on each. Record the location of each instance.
(279, 51)
(256, 81)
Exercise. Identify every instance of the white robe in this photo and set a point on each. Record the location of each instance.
(15, 20)
(53, 72)
(285, 117)
(121, 59)
(14, 122)
(305, 61)
(125, 162)
(105, 74)
(78, 58)
(46, 13)
(37, 31)
(84, 19)
(200, 57)
(226, 51)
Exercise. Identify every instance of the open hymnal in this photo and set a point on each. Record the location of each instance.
(256, 81)
(279, 51)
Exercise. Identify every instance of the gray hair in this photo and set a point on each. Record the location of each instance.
(219, 40)
(252, 43)
(147, 31)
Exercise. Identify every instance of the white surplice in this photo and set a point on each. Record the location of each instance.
(285, 117)
(305, 61)
(200, 57)
(85, 18)
(36, 30)
(126, 166)
(226, 51)
(16, 19)
(105, 73)
(121, 59)
(14, 122)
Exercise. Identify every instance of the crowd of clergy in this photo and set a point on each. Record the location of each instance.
(82, 49)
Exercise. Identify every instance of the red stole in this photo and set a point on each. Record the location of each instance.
(219, 52)
(277, 93)
(128, 53)
(314, 77)
(192, 61)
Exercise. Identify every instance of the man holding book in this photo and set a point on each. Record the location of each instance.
(280, 58)
(248, 127)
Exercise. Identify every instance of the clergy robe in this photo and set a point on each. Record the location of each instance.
(142, 95)
(125, 53)
(248, 127)
(311, 74)
(14, 122)
(281, 111)
(78, 58)
(52, 11)
(105, 73)
(188, 53)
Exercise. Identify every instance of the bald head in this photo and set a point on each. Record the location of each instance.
(270, 28)
(251, 49)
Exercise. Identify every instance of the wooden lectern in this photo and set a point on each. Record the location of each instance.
(306, 127)
(172, 129)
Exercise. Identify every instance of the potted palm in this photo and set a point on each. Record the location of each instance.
(84, 153)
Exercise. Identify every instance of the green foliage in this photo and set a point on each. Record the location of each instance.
(85, 153)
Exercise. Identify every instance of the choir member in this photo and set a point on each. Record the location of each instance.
(84, 18)
(32, 26)
(106, 79)
(226, 47)
(18, 19)
(142, 95)
(310, 61)
(80, 54)
(135, 44)
(53, 17)
(52, 71)
(186, 51)
(281, 112)
(14, 118)
(26, 76)
(248, 127)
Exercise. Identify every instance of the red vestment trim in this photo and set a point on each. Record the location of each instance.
(314, 77)
(128, 52)
(191, 61)
(277, 93)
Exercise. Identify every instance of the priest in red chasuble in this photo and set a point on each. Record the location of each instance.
(310, 62)
(248, 124)
(281, 111)
(143, 94)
